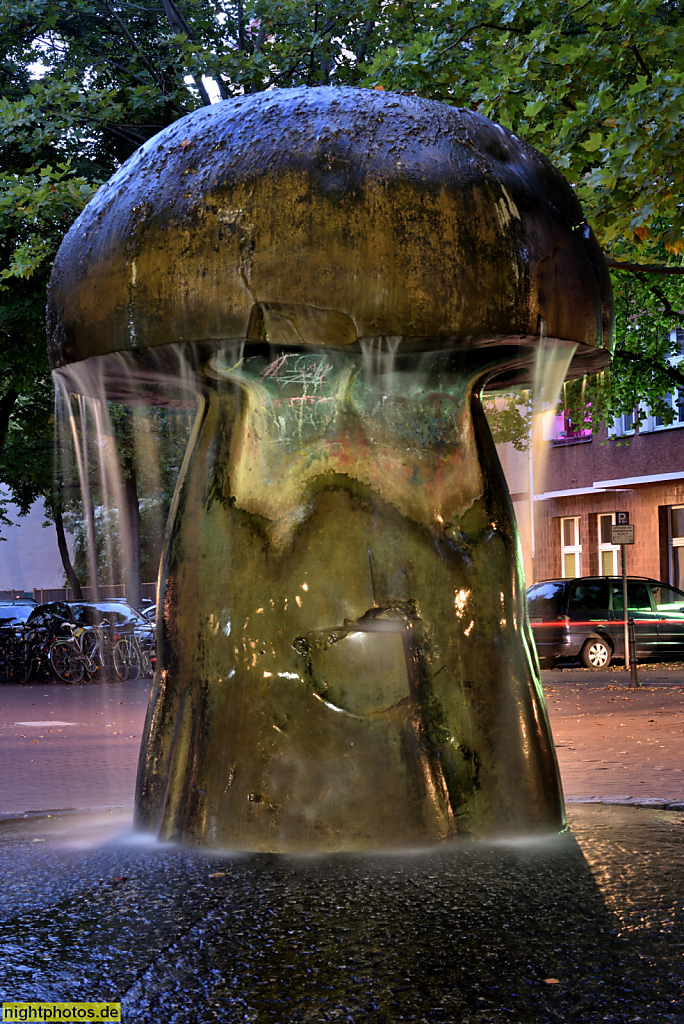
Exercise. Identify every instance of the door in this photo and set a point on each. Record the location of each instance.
(588, 611)
(641, 608)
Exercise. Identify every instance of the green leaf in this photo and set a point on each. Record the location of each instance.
(594, 142)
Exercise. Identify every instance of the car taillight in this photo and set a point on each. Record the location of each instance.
(563, 618)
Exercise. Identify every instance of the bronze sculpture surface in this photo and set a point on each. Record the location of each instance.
(345, 660)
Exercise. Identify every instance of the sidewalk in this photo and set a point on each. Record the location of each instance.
(616, 744)
(77, 747)
(70, 747)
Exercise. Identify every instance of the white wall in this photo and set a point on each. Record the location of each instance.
(29, 556)
(516, 467)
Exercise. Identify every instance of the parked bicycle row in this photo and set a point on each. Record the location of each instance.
(75, 641)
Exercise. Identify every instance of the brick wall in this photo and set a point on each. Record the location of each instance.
(646, 505)
(579, 465)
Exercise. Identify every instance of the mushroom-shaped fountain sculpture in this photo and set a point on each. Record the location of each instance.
(344, 655)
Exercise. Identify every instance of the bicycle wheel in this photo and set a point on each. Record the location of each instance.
(23, 661)
(90, 646)
(7, 655)
(126, 660)
(147, 653)
(66, 661)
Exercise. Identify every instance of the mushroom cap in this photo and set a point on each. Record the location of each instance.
(328, 216)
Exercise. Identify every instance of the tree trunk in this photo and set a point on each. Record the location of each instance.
(130, 522)
(7, 403)
(66, 558)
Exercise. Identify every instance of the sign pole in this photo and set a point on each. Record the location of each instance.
(622, 533)
(623, 550)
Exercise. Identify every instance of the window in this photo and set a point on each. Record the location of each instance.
(608, 552)
(677, 544)
(571, 549)
(638, 597)
(566, 430)
(674, 401)
(648, 421)
(544, 600)
(667, 599)
(591, 596)
(623, 424)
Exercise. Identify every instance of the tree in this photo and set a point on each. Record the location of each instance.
(83, 85)
(599, 88)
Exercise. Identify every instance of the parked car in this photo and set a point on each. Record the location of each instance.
(15, 612)
(121, 615)
(149, 612)
(583, 618)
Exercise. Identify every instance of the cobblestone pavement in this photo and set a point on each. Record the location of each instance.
(77, 746)
(70, 746)
(617, 744)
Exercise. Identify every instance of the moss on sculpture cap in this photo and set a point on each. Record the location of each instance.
(325, 216)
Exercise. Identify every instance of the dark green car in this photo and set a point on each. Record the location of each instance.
(584, 618)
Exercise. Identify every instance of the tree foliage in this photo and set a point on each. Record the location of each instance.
(597, 87)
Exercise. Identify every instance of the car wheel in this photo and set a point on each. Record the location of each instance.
(596, 654)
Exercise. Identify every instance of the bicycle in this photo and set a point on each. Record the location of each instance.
(132, 656)
(85, 652)
(8, 654)
(32, 652)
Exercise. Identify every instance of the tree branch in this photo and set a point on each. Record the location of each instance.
(644, 268)
(7, 403)
(181, 28)
(671, 372)
(261, 36)
(669, 311)
(363, 43)
(136, 48)
(642, 64)
(241, 25)
(465, 35)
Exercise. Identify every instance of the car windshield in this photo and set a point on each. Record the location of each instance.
(544, 599)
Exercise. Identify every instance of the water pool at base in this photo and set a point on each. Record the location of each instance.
(584, 927)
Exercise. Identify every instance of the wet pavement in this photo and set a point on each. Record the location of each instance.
(586, 927)
(582, 928)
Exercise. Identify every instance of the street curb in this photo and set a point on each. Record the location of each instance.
(654, 803)
(54, 812)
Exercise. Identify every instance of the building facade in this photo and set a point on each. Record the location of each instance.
(567, 490)
(588, 480)
(29, 554)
